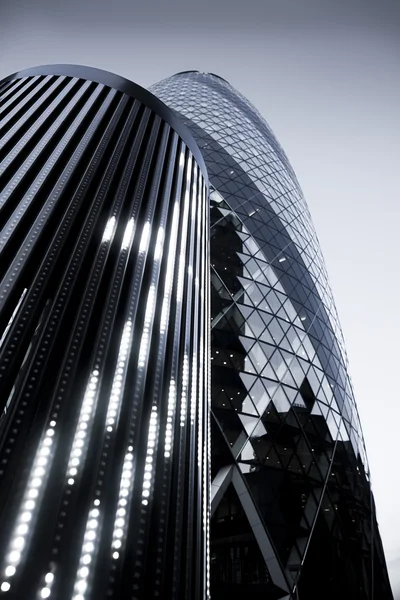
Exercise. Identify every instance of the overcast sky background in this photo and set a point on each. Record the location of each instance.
(325, 75)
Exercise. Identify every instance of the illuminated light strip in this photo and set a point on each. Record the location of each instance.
(193, 400)
(201, 344)
(29, 505)
(125, 489)
(128, 234)
(45, 592)
(10, 322)
(208, 400)
(170, 270)
(117, 384)
(148, 318)
(182, 257)
(185, 382)
(114, 405)
(109, 229)
(144, 240)
(149, 466)
(163, 327)
(196, 212)
(158, 251)
(80, 442)
(90, 542)
(170, 415)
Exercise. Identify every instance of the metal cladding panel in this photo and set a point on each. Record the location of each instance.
(104, 350)
(292, 509)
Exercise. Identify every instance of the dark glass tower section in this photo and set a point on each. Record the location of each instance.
(104, 343)
(292, 510)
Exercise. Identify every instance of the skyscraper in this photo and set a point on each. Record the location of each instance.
(292, 509)
(104, 350)
(112, 205)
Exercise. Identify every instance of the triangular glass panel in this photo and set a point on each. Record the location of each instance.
(269, 372)
(249, 423)
(272, 302)
(280, 401)
(236, 560)
(230, 424)
(287, 379)
(260, 397)
(258, 357)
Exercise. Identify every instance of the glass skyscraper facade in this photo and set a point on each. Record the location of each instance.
(292, 509)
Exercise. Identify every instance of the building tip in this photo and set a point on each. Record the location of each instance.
(202, 73)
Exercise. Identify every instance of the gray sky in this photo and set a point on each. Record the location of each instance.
(325, 74)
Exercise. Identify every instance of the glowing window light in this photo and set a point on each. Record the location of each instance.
(109, 230)
(128, 234)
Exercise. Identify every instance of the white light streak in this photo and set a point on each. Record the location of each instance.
(185, 381)
(128, 234)
(125, 488)
(170, 417)
(148, 318)
(151, 443)
(158, 252)
(29, 505)
(144, 240)
(114, 404)
(193, 401)
(170, 269)
(89, 547)
(10, 322)
(109, 230)
(80, 442)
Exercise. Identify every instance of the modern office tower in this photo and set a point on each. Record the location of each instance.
(292, 510)
(104, 343)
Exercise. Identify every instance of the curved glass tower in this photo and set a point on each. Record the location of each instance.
(292, 510)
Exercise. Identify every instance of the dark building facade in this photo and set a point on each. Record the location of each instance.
(104, 350)
(292, 509)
